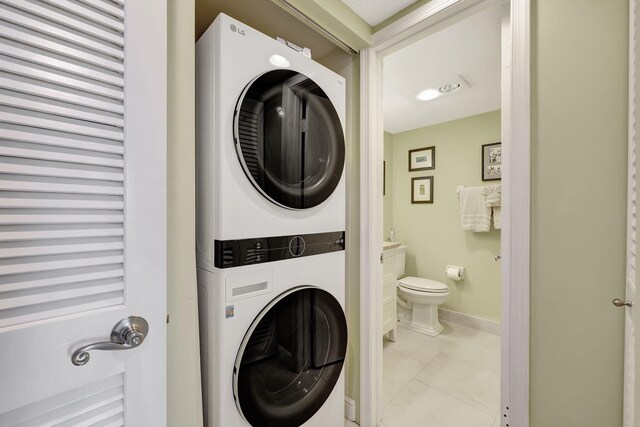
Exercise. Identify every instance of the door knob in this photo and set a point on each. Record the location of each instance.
(128, 333)
(620, 303)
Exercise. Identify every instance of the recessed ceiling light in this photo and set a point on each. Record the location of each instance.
(428, 95)
(279, 61)
(449, 88)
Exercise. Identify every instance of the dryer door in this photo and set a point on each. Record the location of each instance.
(289, 139)
(290, 358)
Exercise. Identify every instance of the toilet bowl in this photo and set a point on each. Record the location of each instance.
(423, 297)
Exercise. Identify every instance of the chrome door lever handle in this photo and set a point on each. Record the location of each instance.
(620, 303)
(128, 333)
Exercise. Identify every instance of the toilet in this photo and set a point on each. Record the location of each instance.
(421, 297)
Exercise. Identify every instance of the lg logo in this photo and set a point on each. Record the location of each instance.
(237, 30)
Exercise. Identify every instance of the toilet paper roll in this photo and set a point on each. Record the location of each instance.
(454, 272)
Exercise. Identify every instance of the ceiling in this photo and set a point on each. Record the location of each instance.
(467, 52)
(376, 11)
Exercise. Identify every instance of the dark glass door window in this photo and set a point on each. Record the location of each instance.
(291, 359)
(289, 139)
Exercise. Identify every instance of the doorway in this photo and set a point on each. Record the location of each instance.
(442, 220)
(425, 22)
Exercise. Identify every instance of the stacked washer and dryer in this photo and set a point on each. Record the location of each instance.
(270, 232)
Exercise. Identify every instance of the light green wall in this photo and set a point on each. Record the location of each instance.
(353, 234)
(432, 231)
(348, 67)
(387, 215)
(184, 404)
(579, 112)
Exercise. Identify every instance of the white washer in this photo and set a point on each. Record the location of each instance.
(270, 139)
(273, 343)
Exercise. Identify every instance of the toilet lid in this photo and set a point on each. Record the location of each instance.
(424, 285)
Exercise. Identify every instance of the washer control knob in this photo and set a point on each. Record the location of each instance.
(296, 246)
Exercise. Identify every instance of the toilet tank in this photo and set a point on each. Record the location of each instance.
(400, 259)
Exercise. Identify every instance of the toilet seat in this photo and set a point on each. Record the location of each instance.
(420, 284)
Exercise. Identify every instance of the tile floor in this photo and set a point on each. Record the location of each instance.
(452, 380)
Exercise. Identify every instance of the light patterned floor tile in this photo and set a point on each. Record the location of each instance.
(458, 333)
(420, 405)
(398, 370)
(480, 355)
(386, 398)
(462, 380)
(418, 346)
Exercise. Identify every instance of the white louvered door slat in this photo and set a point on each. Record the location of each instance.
(90, 14)
(82, 209)
(24, 58)
(29, 80)
(32, 38)
(65, 109)
(47, 137)
(47, 26)
(52, 186)
(43, 203)
(51, 14)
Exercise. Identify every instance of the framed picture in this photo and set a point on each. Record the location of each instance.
(492, 161)
(422, 189)
(422, 159)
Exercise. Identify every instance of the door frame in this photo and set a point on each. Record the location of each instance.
(515, 235)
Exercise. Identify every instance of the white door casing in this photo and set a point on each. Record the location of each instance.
(631, 410)
(82, 209)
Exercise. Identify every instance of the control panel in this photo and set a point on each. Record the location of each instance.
(235, 253)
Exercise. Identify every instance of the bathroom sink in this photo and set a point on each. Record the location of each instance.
(390, 245)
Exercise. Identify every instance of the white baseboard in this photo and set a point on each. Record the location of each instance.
(349, 409)
(470, 321)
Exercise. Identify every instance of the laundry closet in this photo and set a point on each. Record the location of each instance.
(271, 229)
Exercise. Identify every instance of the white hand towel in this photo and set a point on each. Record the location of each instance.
(497, 217)
(493, 195)
(474, 213)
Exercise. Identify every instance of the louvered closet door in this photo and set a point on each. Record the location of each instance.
(82, 209)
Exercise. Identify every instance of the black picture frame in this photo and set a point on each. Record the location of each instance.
(422, 198)
(417, 153)
(491, 155)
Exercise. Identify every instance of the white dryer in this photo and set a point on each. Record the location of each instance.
(270, 139)
(273, 343)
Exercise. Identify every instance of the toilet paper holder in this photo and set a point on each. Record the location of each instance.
(454, 272)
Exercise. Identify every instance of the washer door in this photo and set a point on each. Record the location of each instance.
(289, 139)
(290, 358)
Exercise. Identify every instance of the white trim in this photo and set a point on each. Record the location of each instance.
(370, 239)
(516, 187)
(425, 18)
(516, 213)
(408, 21)
(475, 322)
(349, 408)
(631, 410)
